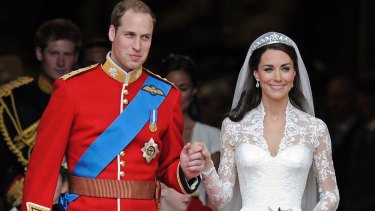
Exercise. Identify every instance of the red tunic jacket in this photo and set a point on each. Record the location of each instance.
(80, 109)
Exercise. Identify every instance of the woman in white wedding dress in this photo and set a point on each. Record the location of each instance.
(271, 138)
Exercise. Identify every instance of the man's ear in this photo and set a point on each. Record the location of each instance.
(111, 33)
(39, 53)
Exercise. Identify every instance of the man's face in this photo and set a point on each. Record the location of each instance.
(58, 58)
(131, 41)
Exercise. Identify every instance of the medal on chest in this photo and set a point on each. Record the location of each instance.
(153, 120)
(150, 150)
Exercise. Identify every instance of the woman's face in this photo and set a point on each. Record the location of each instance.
(183, 82)
(275, 74)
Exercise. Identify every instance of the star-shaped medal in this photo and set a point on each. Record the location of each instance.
(150, 150)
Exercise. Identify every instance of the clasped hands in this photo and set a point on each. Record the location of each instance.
(194, 159)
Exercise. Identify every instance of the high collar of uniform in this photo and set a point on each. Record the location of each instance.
(117, 73)
(44, 84)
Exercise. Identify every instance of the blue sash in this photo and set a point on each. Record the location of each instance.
(120, 133)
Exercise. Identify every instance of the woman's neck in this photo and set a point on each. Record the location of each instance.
(188, 121)
(275, 109)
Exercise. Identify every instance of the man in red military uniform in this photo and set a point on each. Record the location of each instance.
(119, 126)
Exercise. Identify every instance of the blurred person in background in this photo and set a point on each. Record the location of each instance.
(360, 186)
(94, 51)
(342, 121)
(23, 100)
(182, 71)
(171, 200)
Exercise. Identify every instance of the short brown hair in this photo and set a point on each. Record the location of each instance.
(58, 29)
(125, 5)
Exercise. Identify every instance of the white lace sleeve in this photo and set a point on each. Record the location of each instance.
(219, 186)
(324, 171)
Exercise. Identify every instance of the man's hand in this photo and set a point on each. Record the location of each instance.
(192, 160)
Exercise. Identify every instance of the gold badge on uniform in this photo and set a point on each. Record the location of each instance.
(150, 150)
(113, 72)
(153, 90)
(153, 120)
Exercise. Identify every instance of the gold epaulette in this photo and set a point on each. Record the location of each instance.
(159, 77)
(24, 138)
(78, 72)
(6, 89)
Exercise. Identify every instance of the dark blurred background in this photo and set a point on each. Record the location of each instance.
(333, 36)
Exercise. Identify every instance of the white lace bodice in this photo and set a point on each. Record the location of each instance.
(269, 182)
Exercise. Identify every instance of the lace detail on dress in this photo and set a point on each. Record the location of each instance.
(268, 182)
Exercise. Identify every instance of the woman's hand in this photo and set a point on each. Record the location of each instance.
(206, 155)
(192, 160)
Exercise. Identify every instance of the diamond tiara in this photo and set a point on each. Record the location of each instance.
(271, 39)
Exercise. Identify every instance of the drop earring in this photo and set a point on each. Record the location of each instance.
(257, 84)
